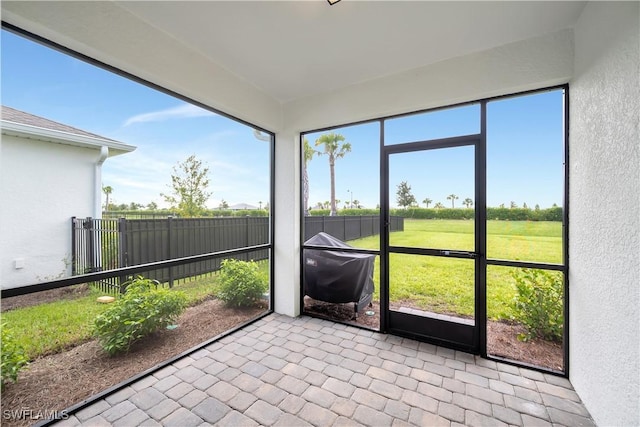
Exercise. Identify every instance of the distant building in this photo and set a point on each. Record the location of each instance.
(49, 172)
(243, 207)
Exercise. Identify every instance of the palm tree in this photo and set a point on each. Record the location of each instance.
(453, 198)
(513, 205)
(334, 147)
(307, 156)
(107, 190)
(427, 201)
(439, 205)
(467, 202)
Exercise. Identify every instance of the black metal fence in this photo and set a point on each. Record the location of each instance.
(106, 244)
(95, 246)
(348, 227)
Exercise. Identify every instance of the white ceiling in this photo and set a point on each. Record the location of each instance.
(295, 49)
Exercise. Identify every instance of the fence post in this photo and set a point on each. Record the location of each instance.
(88, 226)
(73, 246)
(344, 228)
(122, 250)
(246, 241)
(169, 242)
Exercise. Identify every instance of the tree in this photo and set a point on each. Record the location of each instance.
(467, 202)
(453, 199)
(335, 148)
(427, 201)
(307, 156)
(404, 196)
(189, 184)
(439, 206)
(223, 205)
(152, 206)
(524, 205)
(107, 190)
(512, 205)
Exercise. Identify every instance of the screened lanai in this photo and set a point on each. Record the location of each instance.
(291, 70)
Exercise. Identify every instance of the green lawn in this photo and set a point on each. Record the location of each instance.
(52, 327)
(445, 285)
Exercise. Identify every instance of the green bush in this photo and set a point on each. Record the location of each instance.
(142, 310)
(13, 358)
(241, 284)
(539, 304)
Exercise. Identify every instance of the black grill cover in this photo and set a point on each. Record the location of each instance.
(337, 277)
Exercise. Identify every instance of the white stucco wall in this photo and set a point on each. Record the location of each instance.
(605, 213)
(42, 185)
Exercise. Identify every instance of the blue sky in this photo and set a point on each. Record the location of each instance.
(524, 156)
(524, 140)
(164, 129)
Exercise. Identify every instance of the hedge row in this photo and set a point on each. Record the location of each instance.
(146, 214)
(504, 214)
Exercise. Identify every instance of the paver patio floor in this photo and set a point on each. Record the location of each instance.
(304, 371)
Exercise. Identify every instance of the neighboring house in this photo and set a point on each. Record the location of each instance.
(49, 172)
(243, 207)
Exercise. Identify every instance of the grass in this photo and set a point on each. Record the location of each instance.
(52, 327)
(445, 285)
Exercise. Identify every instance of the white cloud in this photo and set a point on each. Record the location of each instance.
(180, 112)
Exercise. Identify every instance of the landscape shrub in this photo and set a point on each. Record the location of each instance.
(538, 304)
(13, 357)
(142, 309)
(241, 284)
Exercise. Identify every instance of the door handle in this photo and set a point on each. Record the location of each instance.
(464, 254)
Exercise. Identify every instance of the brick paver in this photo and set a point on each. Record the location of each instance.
(283, 371)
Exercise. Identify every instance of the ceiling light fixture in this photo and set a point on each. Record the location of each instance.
(332, 2)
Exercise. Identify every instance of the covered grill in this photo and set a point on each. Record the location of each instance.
(337, 277)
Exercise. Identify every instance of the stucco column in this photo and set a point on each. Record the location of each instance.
(287, 224)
